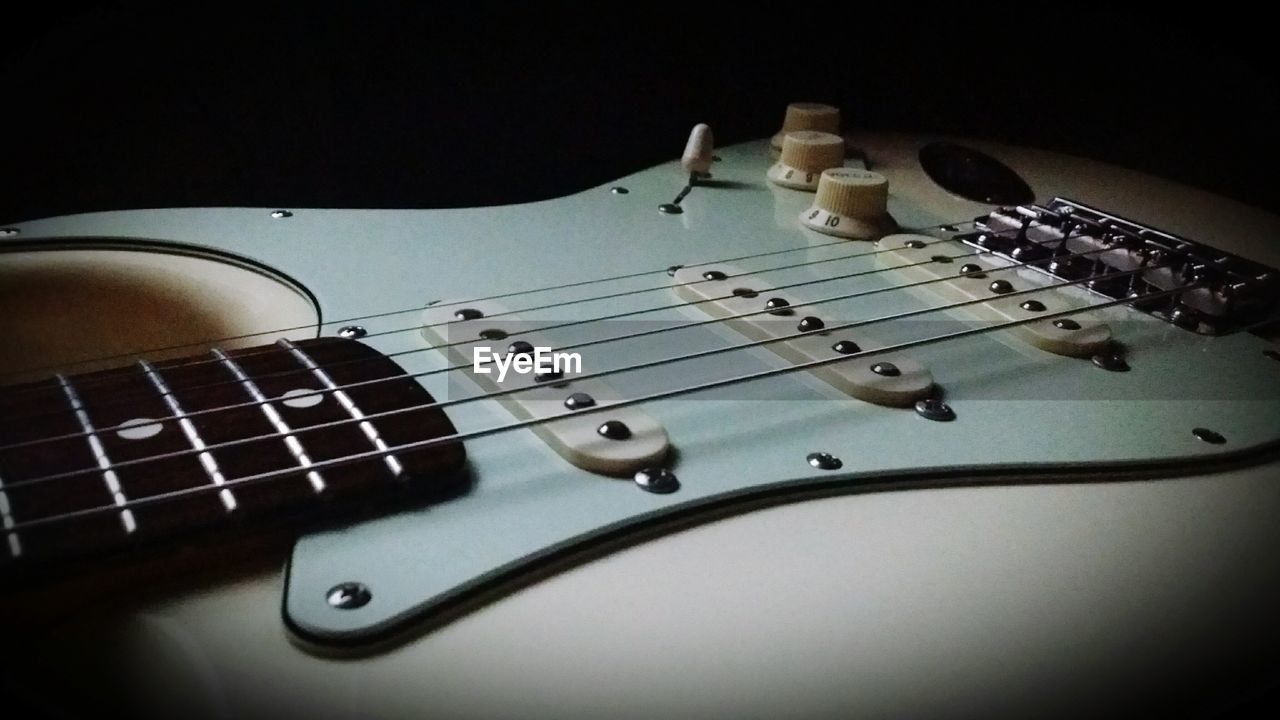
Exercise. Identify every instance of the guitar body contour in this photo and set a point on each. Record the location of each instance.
(1066, 544)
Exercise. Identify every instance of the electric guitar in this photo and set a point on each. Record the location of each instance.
(821, 425)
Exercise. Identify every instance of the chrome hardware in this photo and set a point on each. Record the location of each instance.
(810, 323)
(278, 214)
(1112, 361)
(348, 596)
(713, 275)
(886, 369)
(8, 232)
(579, 400)
(1208, 436)
(614, 430)
(1232, 293)
(824, 461)
(468, 314)
(619, 190)
(352, 332)
(933, 408)
(670, 209)
(657, 480)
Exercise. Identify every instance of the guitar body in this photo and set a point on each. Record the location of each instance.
(1071, 551)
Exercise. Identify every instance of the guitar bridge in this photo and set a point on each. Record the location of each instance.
(1230, 293)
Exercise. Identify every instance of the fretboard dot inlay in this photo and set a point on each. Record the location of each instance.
(301, 398)
(139, 429)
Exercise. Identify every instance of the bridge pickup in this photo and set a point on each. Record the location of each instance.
(1080, 335)
(737, 293)
(576, 439)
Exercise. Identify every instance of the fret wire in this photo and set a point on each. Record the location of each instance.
(370, 432)
(701, 354)
(709, 321)
(273, 417)
(6, 519)
(514, 293)
(100, 454)
(206, 458)
(653, 397)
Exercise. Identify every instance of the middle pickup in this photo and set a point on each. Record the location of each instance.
(755, 309)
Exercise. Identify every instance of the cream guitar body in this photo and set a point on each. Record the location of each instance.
(1068, 544)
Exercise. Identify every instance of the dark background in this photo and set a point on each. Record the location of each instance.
(128, 105)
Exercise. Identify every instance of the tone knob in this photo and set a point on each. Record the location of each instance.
(850, 203)
(805, 154)
(807, 116)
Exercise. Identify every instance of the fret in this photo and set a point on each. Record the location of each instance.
(273, 416)
(100, 455)
(161, 447)
(370, 432)
(6, 518)
(206, 458)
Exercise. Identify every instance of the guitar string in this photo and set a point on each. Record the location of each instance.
(616, 338)
(175, 495)
(500, 296)
(133, 396)
(587, 376)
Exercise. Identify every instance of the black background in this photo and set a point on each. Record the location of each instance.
(131, 105)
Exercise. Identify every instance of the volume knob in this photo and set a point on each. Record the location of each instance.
(850, 203)
(805, 154)
(807, 116)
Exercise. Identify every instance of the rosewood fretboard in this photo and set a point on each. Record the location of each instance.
(119, 421)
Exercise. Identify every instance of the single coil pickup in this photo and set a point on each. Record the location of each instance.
(723, 290)
(974, 278)
(618, 443)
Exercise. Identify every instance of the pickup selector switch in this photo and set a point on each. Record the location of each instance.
(850, 203)
(807, 116)
(805, 154)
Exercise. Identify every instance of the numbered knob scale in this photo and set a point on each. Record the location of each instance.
(850, 203)
(805, 154)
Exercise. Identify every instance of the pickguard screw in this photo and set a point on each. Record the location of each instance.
(619, 190)
(934, 409)
(1001, 287)
(1066, 324)
(277, 214)
(670, 209)
(9, 232)
(657, 480)
(672, 270)
(348, 596)
(914, 244)
(352, 332)
(468, 314)
(713, 275)
(1208, 436)
(824, 461)
(1112, 361)
(942, 259)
